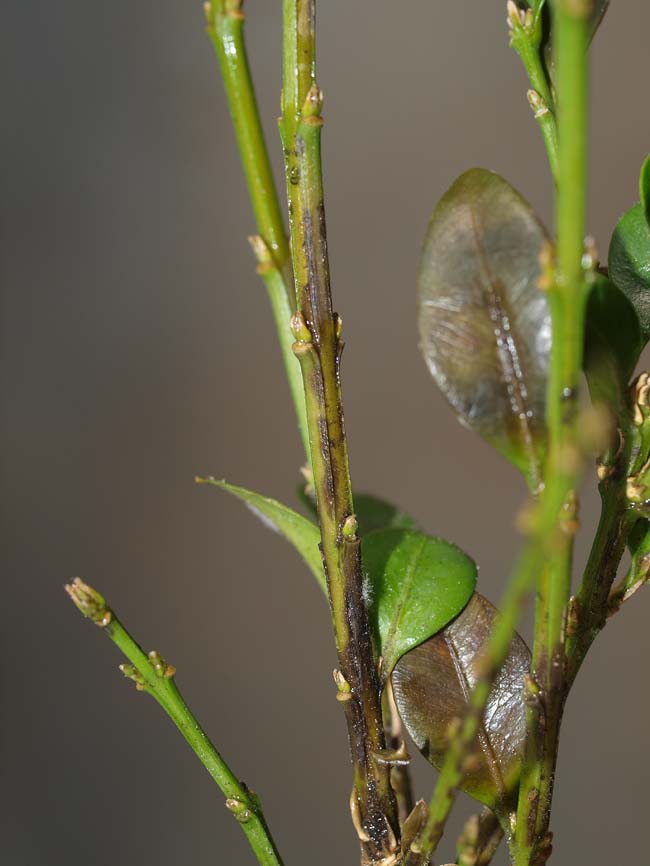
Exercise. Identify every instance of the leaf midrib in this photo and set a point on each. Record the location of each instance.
(406, 585)
(492, 759)
(512, 351)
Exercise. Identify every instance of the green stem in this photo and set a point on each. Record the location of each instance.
(526, 39)
(591, 604)
(638, 572)
(567, 295)
(480, 839)
(620, 524)
(225, 26)
(154, 676)
(520, 583)
(318, 347)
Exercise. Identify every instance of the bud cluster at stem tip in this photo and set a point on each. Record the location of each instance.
(90, 602)
(519, 18)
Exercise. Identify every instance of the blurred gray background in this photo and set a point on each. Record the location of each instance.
(138, 351)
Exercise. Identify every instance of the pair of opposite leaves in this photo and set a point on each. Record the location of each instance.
(485, 334)
(486, 337)
(431, 629)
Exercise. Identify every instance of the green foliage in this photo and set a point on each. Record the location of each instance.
(596, 16)
(372, 512)
(417, 584)
(629, 262)
(454, 662)
(432, 685)
(644, 188)
(375, 513)
(300, 532)
(613, 343)
(484, 325)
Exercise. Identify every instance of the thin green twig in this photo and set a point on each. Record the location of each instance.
(225, 26)
(567, 289)
(526, 38)
(521, 581)
(624, 486)
(153, 675)
(480, 839)
(317, 330)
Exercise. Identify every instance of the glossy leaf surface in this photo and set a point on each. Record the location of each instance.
(485, 329)
(300, 532)
(644, 188)
(417, 585)
(432, 685)
(629, 263)
(613, 342)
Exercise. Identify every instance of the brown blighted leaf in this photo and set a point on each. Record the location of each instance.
(432, 685)
(484, 324)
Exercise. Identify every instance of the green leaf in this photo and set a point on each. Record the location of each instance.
(595, 20)
(597, 15)
(300, 532)
(613, 343)
(432, 685)
(417, 585)
(644, 188)
(372, 512)
(629, 263)
(375, 513)
(485, 328)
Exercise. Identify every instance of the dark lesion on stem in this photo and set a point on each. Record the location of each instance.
(317, 330)
(357, 678)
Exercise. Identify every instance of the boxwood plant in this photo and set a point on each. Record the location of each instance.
(512, 318)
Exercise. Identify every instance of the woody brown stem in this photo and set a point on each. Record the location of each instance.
(318, 347)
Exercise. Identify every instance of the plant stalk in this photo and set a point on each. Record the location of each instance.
(620, 524)
(225, 26)
(480, 839)
(153, 675)
(318, 346)
(567, 295)
(526, 38)
(521, 581)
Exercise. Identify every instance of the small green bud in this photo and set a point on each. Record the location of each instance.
(132, 673)
(160, 665)
(90, 602)
(299, 328)
(313, 104)
(262, 253)
(239, 809)
(343, 688)
(350, 527)
(540, 108)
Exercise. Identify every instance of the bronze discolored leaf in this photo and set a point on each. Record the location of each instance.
(484, 324)
(432, 685)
